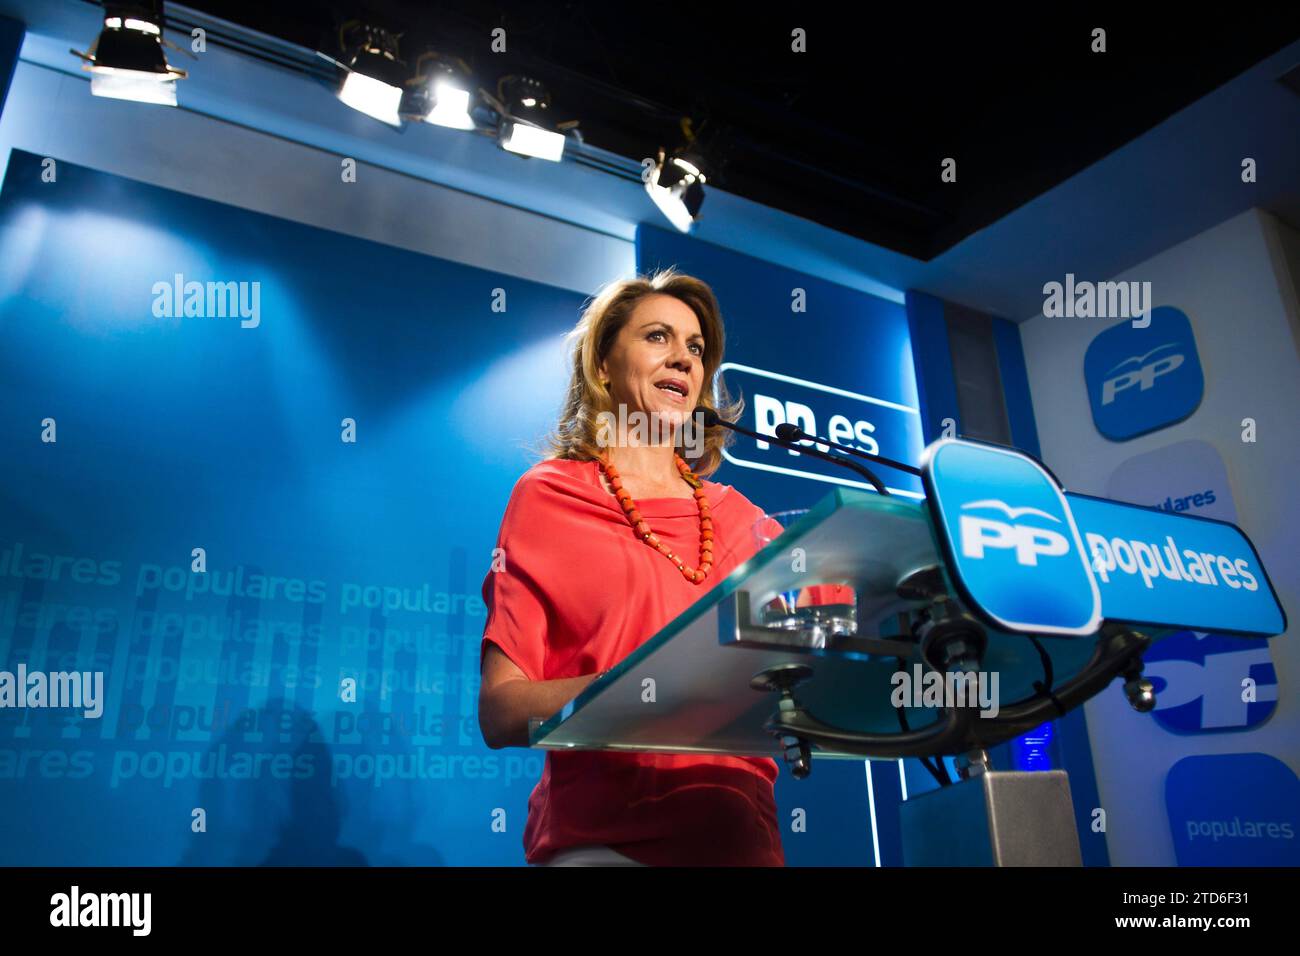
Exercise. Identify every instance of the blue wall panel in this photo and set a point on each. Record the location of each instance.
(936, 389)
(325, 559)
(1015, 386)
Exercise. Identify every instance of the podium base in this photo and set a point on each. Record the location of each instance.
(995, 818)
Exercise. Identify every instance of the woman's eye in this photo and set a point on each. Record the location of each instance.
(699, 349)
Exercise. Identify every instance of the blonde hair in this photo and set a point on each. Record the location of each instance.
(574, 435)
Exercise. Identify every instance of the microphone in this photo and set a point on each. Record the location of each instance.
(792, 432)
(712, 418)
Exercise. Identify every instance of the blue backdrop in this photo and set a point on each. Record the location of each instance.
(326, 559)
(337, 425)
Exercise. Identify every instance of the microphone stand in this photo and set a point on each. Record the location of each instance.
(713, 418)
(791, 432)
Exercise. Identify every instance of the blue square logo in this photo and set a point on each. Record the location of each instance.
(1009, 539)
(1234, 810)
(1143, 379)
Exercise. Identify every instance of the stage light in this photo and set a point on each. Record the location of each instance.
(126, 61)
(451, 106)
(373, 82)
(532, 141)
(526, 127)
(676, 185)
(440, 96)
(372, 97)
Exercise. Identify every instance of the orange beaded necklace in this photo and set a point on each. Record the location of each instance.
(639, 525)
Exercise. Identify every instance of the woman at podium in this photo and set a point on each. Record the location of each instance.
(603, 542)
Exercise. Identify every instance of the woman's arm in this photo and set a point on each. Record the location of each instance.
(507, 699)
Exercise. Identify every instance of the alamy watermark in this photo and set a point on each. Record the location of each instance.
(1098, 300)
(80, 690)
(212, 300)
(651, 428)
(76, 908)
(930, 688)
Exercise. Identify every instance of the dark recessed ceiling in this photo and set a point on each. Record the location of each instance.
(852, 133)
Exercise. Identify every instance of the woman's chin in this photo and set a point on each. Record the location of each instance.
(657, 425)
(673, 418)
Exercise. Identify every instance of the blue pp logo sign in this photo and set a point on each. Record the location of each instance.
(1143, 379)
(865, 422)
(1010, 539)
(1028, 542)
(1234, 810)
(1209, 683)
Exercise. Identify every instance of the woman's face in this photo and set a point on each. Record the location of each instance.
(656, 363)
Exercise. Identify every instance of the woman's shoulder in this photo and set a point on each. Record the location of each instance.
(546, 495)
(559, 470)
(554, 479)
(729, 496)
(735, 513)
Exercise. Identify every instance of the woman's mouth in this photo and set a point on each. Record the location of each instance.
(676, 391)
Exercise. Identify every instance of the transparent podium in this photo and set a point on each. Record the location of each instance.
(728, 676)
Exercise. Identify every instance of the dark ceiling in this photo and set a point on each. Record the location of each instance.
(852, 133)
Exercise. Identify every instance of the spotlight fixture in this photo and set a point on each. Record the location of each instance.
(374, 77)
(126, 61)
(439, 95)
(676, 185)
(525, 126)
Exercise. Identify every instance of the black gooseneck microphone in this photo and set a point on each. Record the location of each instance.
(792, 432)
(712, 418)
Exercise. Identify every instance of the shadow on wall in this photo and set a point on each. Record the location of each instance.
(266, 821)
(272, 822)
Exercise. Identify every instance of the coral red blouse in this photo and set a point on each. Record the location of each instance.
(580, 592)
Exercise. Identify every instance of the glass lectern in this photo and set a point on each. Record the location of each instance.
(720, 679)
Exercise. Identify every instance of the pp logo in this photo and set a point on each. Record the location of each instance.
(1209, 683)
(1009, 539)
(1143, 379)
(1028, 542)
(1138, 372)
